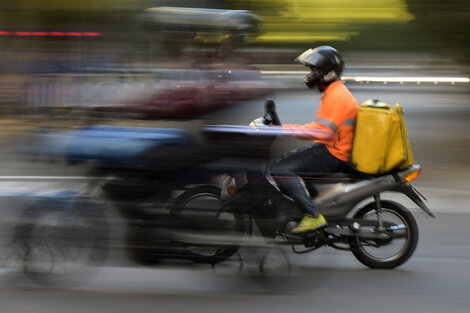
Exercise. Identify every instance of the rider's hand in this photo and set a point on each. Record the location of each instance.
(256, 124)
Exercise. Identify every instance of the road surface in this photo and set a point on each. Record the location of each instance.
(435, 279)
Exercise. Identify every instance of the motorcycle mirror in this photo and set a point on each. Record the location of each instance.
(269, 106)
(270, 115)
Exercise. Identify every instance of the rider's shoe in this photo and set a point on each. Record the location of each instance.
(309, 223)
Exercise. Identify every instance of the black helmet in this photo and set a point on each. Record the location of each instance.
(326, 64)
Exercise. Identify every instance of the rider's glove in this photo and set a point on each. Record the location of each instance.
(256, 124)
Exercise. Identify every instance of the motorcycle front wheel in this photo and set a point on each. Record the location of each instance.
(220, 232)
(402, 231)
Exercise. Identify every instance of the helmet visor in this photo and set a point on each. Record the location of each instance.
(311, 57)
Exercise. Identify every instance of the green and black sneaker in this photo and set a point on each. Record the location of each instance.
(309, 223)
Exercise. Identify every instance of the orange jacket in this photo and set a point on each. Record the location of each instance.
(334, 126)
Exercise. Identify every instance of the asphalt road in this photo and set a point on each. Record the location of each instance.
(435, 279)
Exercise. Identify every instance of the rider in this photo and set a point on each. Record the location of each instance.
(331, 133)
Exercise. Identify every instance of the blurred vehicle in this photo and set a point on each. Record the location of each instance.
(181, 198)
(200, 19)
(139, 171)
(189, 67)
(191, 93)
(166, 93)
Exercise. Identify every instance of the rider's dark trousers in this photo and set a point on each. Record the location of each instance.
(314, 159)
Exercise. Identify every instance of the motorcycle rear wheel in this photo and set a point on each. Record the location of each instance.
(405, 231)
(202, 204)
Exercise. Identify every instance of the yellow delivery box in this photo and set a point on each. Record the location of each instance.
(381, 141)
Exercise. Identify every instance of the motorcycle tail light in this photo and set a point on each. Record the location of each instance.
(412, 176)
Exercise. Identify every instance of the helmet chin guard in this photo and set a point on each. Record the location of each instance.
(312, 80)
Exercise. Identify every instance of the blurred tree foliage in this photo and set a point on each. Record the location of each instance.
(381, 25)
(297, 21)
(435, 26)
(446, 25)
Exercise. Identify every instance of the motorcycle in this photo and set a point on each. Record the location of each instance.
(135, 170)
(379, 233)
(203, 202)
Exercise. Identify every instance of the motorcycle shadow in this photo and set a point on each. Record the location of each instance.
(323, 272)
(273, 270)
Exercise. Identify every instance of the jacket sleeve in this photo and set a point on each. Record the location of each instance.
(330, 116)
(310, 131)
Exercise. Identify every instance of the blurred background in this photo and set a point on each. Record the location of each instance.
(99, 54)
(175, 64)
